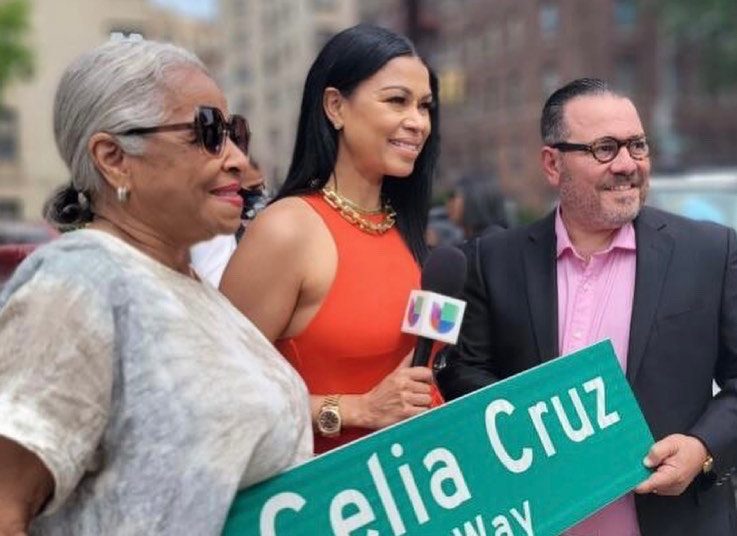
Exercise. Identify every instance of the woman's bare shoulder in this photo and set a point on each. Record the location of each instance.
(287, 222)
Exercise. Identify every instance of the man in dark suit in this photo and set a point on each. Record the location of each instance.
(602, 265)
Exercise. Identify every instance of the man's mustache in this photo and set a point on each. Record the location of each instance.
(635, 179)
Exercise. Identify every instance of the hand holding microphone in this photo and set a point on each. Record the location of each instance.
(405, 392)
(432, 314)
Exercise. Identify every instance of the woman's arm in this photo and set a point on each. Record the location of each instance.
(403, 393)
(25, 486)
(265, 275)
(55, 367)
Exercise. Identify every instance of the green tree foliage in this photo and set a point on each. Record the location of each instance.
(710, 26)
(16, 58)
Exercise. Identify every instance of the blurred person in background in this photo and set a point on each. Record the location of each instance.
(124, 409)
(210, 257)
(477, 206)
(326, 270)
(440, 230)
(254, 194)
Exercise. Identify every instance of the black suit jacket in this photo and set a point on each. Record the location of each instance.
(683, 334)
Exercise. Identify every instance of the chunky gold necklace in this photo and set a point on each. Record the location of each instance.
(355, 215)
(355, 206)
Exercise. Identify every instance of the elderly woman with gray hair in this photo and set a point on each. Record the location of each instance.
(133, 398)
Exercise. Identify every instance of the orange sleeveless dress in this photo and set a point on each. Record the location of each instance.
(354, 340)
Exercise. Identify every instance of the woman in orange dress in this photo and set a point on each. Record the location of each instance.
(326, 270)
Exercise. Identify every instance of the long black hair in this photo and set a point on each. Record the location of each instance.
(346, 60)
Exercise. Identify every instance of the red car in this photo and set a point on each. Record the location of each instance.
(18, 240)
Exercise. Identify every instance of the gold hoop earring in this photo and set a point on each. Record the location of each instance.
(122, 192)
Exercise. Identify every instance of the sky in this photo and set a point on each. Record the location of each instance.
(196, 8)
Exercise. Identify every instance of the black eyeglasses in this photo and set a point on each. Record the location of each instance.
(210, 128)
(606, 149)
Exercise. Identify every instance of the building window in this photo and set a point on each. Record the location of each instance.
(275, 138)
(239, 8)
(243, 75)
(515, 32)
(488, 156)
(241, 37)
(271, 62)
(515, 91)
(322, 37)
(269, 19)
(516, 157)
(625, 13)
(324, 5)
(549, 19)
(8, 134)
(452, 86)
(491, 94)
(626, 75)
(244, 106)
(550, 81)
(273, 99)
(493, 41)
(9, 209)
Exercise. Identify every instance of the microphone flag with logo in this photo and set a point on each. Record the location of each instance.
(433, 313)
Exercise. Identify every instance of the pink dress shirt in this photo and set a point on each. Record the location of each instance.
(595, 303)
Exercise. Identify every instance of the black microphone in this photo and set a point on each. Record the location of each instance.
(433, 313)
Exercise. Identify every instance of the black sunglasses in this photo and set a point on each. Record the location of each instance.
(210, 128)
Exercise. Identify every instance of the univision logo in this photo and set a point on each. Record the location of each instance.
(414, 311)
(443, 317)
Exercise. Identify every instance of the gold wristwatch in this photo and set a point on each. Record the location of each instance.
(708, 465)
(328, 418)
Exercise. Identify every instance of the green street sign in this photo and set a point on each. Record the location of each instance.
(531, 455)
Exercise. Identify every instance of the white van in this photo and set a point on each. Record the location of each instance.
(700, 195)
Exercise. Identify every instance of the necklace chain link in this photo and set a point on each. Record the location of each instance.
(353, 214)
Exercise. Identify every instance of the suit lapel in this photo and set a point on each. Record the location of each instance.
(542, 286)
(654, 249)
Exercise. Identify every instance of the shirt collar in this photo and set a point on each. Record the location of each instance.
(624, 238)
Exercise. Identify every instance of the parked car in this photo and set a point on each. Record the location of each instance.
(17, 240)
(21, 232)
(705, 195)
